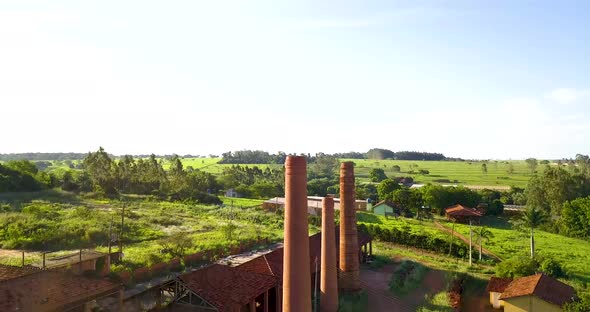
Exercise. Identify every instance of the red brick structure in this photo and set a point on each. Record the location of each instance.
(296, 284)
(349, 252)
(329, 271)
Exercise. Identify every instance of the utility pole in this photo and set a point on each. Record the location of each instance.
(470, 242)
(121, 233)
(110, 235)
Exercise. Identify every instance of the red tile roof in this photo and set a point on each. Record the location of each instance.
(51, 291)
(9, 272)
(498, 284)
(542, 286)
(462, 211)
(272, 262)
(225, 287)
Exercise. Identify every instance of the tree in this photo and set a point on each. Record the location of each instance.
(176, 244)
(379, 153)
(377, 175)
(100, 168)
(575, 218)
(482, 233)
(533, 217)
(532, 164)
(510, 169)
(386, 188)
(407, 198)
(324, 166)
(484, 168)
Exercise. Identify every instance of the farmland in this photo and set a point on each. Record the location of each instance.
(508, 241)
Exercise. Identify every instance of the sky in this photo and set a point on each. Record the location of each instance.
(470, 79)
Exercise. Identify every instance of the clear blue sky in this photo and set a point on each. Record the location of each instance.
(472, 79)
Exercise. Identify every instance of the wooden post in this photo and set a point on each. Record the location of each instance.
(253, 305)
(370, 248)
(23, 260)
(43, 260)
(80, 261)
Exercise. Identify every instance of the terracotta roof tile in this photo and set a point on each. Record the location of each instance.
(272, 262)
(460, 210)
(51, 291)
(542, 286)
(225, 287)
(498, 284)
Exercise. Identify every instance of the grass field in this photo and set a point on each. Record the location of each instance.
(60, 221)
(442, 172)
(463, 173)
(572, 253)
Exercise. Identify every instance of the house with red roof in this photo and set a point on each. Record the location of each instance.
(462, 214)
(537, 292)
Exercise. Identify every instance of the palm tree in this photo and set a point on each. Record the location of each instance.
(482, 233)
(533, 217)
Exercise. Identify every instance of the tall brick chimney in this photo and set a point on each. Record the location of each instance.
(349, 252)
(296, 265)
(329, 274)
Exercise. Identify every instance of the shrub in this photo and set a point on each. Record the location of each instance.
(552, 268)
(407, 277)
(517, 267)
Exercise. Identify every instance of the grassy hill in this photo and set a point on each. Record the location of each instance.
(572, 253)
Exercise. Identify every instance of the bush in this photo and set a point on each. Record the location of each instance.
(517, 267)
(552, 268)
(407, 277)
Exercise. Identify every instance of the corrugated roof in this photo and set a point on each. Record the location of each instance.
(498, 284)
(462, 211)
(542, 286)
(225, 287)
(51, 291)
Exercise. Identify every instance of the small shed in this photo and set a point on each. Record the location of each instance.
(496, 287)
(462, 214)
(537, 292)
(384, 208)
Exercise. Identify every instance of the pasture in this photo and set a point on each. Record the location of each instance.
(508, 241)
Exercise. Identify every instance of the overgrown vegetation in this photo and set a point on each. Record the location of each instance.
(407, 276)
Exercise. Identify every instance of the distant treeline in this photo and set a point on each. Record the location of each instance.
(262, 157)
(42, 156)
(75, 156)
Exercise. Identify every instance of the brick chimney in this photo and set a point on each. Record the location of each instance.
(296, 265)
(329, 274)
(349, 252)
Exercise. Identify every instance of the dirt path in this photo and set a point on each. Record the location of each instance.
(466, 240)
(376, 283)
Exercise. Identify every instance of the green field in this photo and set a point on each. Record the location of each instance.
(572, 253)
(441, 172)
(60, 221)
(463, 173)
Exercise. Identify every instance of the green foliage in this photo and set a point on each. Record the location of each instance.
(552, 268)
(407, 277)
(377, 175)
(575, 218)
(353, 302)
(437, 303)
(439, 197)
(580, 305)
(518, 266)
(386, 188)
